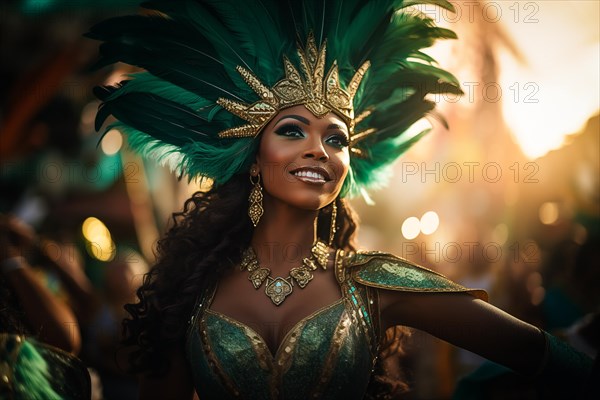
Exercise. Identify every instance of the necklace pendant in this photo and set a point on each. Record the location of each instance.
(278, 289)
(302, 275)
(258, 276)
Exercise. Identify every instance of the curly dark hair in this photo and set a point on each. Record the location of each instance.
(205, 240)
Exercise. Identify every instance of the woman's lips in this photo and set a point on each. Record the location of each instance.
(311, 175)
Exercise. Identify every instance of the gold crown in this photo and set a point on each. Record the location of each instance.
(318, 94)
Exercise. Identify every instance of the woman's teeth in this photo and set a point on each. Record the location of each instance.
(309, 174)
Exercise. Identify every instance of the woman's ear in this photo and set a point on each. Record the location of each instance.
(254, 170)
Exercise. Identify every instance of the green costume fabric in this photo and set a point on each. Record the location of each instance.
(34, 370)
(330, 354)
(566, 374)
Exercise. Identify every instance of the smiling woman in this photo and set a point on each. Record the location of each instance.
(291, 106)
(303, 159)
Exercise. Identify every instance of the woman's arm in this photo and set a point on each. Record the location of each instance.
(469, 323)
(50, 318)
(176, 384)
(67, 263)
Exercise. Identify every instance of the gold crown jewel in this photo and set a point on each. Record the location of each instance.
(318, 92)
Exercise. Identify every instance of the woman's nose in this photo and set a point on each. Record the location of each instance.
(316, 150)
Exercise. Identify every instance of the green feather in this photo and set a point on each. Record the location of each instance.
(197, 160)
(206, 24)
(144, 82)
(191, 49)
(440, 3)
(168, 51)
(255, 30)
(32, 376)
(163, 119)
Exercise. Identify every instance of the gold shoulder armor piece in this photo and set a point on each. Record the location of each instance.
(387, 271)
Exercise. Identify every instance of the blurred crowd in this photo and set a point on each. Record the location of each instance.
(47, 295)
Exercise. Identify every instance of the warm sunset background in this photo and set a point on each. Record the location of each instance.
(507, 199)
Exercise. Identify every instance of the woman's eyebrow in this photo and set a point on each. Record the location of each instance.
(336, 126)
(293, 116)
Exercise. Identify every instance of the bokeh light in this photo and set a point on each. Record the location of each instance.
(99, 243)
(429, 222)
(548, 213)
(111, 142)
(411, 228)
(500, 234)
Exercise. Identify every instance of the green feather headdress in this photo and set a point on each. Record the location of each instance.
(192, 52)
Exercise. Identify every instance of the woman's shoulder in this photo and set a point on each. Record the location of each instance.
(387, 271)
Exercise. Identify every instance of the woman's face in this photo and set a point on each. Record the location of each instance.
(303, 160)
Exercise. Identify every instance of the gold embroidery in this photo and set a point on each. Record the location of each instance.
(284, 357)
(339, 265)
(213, 361)
(357, 312)
(340, 334)
(277, 365)
(403, 272)
(258, 344)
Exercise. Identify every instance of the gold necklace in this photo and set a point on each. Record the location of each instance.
(277, 289)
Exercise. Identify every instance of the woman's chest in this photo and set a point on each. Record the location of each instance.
(327, 354)
(239, 301)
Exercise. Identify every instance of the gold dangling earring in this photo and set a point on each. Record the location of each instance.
(255, 211)
(332, 227)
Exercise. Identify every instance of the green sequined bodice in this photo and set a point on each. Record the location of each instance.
(328, 355)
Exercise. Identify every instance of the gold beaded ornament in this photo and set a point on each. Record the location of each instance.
(277, 289)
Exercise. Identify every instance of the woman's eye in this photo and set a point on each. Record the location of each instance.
(290, 130)
(338, 140)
